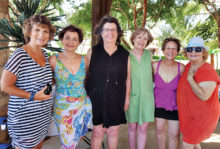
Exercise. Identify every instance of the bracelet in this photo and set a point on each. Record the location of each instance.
(32, 96)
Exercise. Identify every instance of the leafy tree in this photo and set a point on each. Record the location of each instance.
(189, 24)
(136, 13)
(214, 11)
(82, 16)
(131, 13)
(21, 10)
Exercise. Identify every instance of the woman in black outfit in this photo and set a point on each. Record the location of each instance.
(108, 83)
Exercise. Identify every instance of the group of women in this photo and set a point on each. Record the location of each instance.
(120, 86)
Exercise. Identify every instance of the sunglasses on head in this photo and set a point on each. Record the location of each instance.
(196, 49)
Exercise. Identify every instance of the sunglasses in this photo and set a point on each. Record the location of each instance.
(196, 49)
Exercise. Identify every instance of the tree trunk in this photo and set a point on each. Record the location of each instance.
(99, 9)
(218, 23)
(212, 60)
(3, 59)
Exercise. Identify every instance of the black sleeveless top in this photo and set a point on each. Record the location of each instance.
(106, 85)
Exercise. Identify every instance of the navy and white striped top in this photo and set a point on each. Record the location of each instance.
(28, 121)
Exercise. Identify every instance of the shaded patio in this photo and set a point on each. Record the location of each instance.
(211, 143)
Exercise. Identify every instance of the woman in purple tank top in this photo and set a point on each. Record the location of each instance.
(167, 73)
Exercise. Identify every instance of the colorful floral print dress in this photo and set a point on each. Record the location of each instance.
(72, 107)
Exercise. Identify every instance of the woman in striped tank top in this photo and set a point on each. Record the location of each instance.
(25, 77)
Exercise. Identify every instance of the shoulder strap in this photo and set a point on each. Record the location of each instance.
(57, 56)
(178, 68)
(158, 65)
(83, 61)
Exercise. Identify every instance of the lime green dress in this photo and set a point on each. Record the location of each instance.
(141, 107)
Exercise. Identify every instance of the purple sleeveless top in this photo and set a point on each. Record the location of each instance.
(165, 93)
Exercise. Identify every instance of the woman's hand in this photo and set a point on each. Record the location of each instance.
(203, 90)
(190, 74)
(41, 96)
(128, 85)
(126, 106)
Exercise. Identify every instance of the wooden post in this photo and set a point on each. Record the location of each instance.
(4, 54)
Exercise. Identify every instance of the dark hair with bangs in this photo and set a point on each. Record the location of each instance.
(71, 28)
(177, 41)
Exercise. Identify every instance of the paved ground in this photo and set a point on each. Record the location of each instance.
(212, 143)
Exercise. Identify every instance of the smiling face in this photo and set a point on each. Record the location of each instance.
(70, 41)
(109, 33)
(39, 35)
(195, 56)
(170, 50)
(140, 41)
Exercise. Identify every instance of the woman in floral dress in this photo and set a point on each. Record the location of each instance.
(72, 107)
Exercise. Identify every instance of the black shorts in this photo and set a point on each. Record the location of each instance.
(169, 115)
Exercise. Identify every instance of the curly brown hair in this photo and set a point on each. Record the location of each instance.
(177, 41)
(39, 20)
(103, 21)
(71, 28)
(139, 31)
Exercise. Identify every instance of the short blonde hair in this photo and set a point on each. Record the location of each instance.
(40, 20)
(139, 31)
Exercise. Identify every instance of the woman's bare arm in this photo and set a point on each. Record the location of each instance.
(128, 86)
(204, 89)
(8, 81)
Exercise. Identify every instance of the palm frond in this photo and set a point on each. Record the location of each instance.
(23, 9)
(7, 47)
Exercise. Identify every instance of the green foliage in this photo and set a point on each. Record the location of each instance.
(22, 9)
(218, 71)
(207, 29)
(213, 51)
(7, 30)
(156, 58)
(56, 4)
(191, 19)
(122, 11)
(155, 10)
(179, 57)
(82, 16)
(181, 18)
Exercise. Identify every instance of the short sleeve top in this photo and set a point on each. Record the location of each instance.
(31, 77)
(198, 119)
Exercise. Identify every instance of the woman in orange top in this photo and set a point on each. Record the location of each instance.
(197, 96)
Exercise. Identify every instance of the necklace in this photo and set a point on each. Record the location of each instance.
(195, 67)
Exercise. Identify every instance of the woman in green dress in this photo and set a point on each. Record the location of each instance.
(141, 106)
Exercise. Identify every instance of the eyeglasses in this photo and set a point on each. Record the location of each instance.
(196, 49)
(109, 30)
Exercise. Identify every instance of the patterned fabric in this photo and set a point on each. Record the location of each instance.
(28, 121)
(72, 107)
